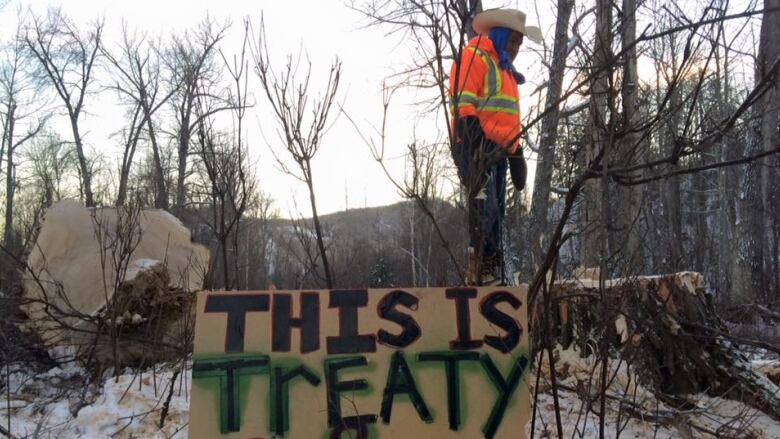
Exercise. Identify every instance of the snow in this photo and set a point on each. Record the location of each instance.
(577, 422)
(689, 281)
(714, 414)
(621, 328)
(711, 414)
(129, 406)
(138, 266)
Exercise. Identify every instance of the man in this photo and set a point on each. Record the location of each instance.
(486, 127)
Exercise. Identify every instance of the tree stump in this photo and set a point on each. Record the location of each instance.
(669, 327)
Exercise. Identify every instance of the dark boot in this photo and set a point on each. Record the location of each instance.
(472, 275)
(491, 272)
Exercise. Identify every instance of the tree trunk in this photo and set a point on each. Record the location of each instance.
(223, 242)
(182, 169)
(702, 249)
(124, 174)
(184, 147)
(318, 227)
(127, 158)
(474, 7)
(672, 197)
(726, 182)
(756, 194)
(626, 221)
(702, 253)
(161, 194)
(3, 142)
(86, 176)
(10, 171)
(748, 270)
(726, 220)
(769, 51)
(412, 244)
(540, 205)
(595, 220)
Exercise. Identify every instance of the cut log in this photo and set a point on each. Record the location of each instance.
(670, 328)
(112, 276)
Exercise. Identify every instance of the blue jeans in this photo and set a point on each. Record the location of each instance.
(490, 210)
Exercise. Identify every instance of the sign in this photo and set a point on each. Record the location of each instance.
(381, 363)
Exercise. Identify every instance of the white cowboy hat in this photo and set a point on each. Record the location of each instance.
(509, 18)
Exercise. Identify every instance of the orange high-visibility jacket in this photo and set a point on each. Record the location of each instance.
(486, 91)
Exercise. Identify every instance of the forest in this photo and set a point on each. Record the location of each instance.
(652, 128)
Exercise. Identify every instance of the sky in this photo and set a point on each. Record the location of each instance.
(345, 174)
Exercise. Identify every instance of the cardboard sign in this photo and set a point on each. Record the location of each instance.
(383, 363)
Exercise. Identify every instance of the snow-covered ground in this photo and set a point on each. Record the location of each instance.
(130, 406)
(728, 419)
(634, 412)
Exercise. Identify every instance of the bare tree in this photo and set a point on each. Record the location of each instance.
(668, 118)
(769, 108)
(596, 210)
(255, 244)
(131, 134)
(670, 67)
(633, 145)
(726, 176)
(549, 137)
(138, 71)
(195, 75)
(240, 200)
(752, 227)
(23, 115)
(224, 157)
(289, 99)
(51, 165)
(469, 10)
(67, 57)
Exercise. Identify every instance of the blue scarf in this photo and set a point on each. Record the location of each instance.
(500, 36)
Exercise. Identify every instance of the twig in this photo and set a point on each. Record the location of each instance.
(8, 396)
(5, 432)
(167, 404)
(536, 392)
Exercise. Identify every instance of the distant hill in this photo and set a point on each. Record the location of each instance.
(363, 241)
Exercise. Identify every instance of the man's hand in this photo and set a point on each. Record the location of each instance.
(517, 170)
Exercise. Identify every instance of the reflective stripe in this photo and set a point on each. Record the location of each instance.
(493, 78)
(466, 99)
(493, 99)
(501, 110)
(500, 101)
(499, 106)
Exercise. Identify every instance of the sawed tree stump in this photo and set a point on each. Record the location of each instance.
(670, 329)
